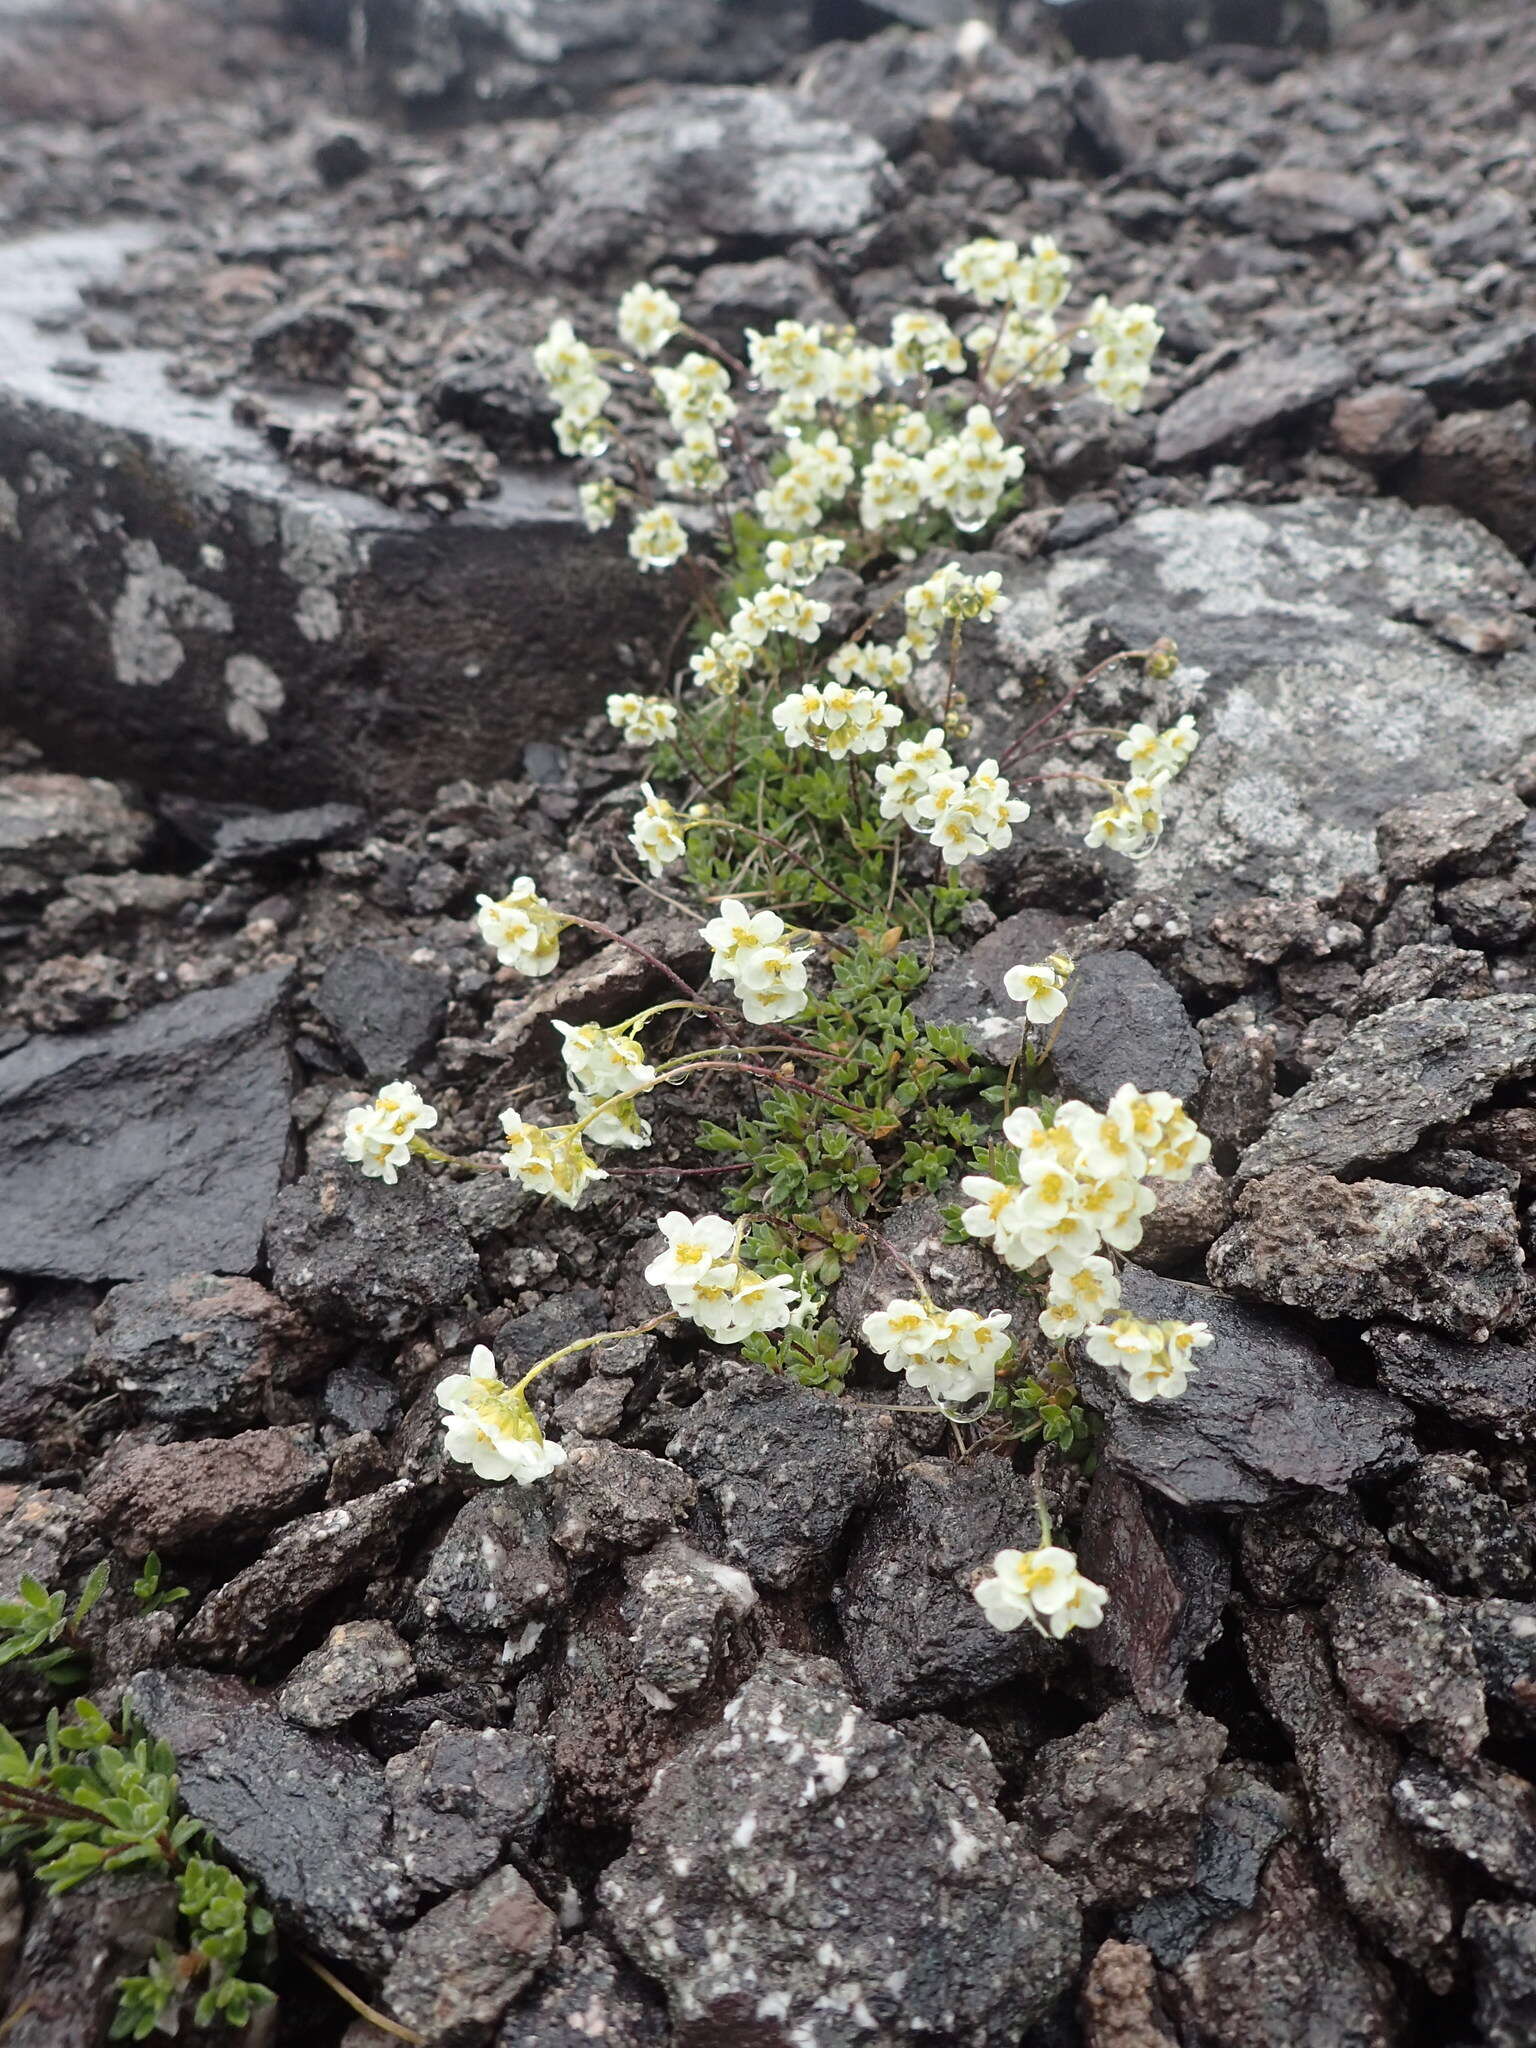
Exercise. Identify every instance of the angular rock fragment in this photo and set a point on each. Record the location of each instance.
(1293, 1554)
(152, 1148)
(1487, 1386)
(386, 1011)
(307, 1816)
(608, 1500)
(265, 1604)
(854, 1876)
(1373, 1248)
(1452, 833)
(496, 1565)
(1450, 1522)
(45, 1363)
(1486, 1814)
(217, 1490)
(465, 1961)
(1396, 1076)
(1171, 1578)
(1115, 1808)
(1502, 1937)
(55, 826)
(201, 1351)
(1291, 1968)
(1272, 1418)
(1396, 1890)
(1119, 2003)
(43, 1531)
(1124, 1022)
(1263, 390)
(915, 1636)
(1189, 1217)
(1503, 1635)
(588, 1993)
(1241, 1820)
(780, 1472)
(353, 1254)
(359, 1666)
(78, 1948)
(1406, 1660)
(1298, 203)
(683, 1610)
(461, 1797)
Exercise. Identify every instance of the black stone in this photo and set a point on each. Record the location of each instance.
(387, 1012)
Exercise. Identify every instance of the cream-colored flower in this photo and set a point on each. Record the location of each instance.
(1077, 1299)
(648, 318)
(599, 501)
(491, 1428)
(644, 721)
(1042, 1587)
(522, 929)
(657, 538)
(378, 1136)
(1039, 989)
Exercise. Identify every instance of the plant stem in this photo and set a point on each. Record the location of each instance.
(588, 1343)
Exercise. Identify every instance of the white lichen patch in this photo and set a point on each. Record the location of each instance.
(254, 692)
(155, 606)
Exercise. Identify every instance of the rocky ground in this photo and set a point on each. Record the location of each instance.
(706, 1742)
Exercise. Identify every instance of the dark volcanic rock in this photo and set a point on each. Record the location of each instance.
(780, 1472)
(1115, 1808)
(386, 1011)
(42, 1530)
(1498, 366)
(464, 1962)
(1489, 1386)
(1406, 1660)
(1393, 1078)
(216, 1490)
(200, 1351)
(359, 1666)
(608, 1500)
(307, 1816)
(1451, 834)
(1119, 2003)
(1396, 1890)
(266, 1603)
(1289, 1970)
(153, 1147)
(1373, 1248)
(461, 1797)
(910, 1898)
(55, 826)
(1483, 463)
(1264, 1417)
(1171, 1578)
(496, 1565)
(1240, 1822)
(1294, 1553)
(1503, 1634)
(915, 1635)
(1503, 1939)
(1264, 390)
(1124, 1022)
(1296, 203)
(1414, 973)
(45, 1366)
(588, 1993)
(1485, 1814)
(683, 1609)
(1450, 1522)
(356, 1255)
(78, 1949)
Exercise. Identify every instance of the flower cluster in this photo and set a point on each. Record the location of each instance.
(1081, 1186)
(750, 952)
(521, 928)
(836, 721)
(1133, 823)
(1040, 988)
(489, 1426)
(1043, 1587)
(778, 609)
(967, 474)
(657, 832)
(952, 1353)
(647, 319)
(602, 1065)
(570, 370)
(969, 811)
(949, 596)
(1157, 1359)
(1124, 340)
(644, 721)
(549, 1159)
(657, 538)
(818, 472)
(707, 1283)
(378, 1134)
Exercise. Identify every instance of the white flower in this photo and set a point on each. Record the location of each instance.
(1039, 989)
(952, 1354)
(695, 465)
(966, 476)
(922, 342)
(721, 664)
(601, 1062)
(644, 721)
(1077, 1299)
(599, 503)
(779, 609)
(905, 781)
(697, 393)
(736, 932)
(891, 488)
(1043, 1587)
(968, 812)
(750, 1302)
(836, 721)
(657, 539)
(549, 1160)
(771, 985)
(987, 269)
(491, 1428)
(695, 1244)
(798, 562)
(1157, 1359)
(656, 832)
(378, 1136)
(1152, 753)
(522, 928)
(647, 318)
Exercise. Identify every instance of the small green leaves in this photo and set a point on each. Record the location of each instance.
(149, 1591)
(35, 1621)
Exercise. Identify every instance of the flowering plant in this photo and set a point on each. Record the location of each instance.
(806, 798)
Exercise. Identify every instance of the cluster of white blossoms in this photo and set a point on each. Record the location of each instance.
(1124, 340)
(1043, 1587)
(1080, 1187)
(836, 721)
(657, 539)
(798, 562)
(1133, 824)
(722, 664)
(569, 367)
(657, 832)
(951, 1353)
(378, 1134)
(1157, 1359)
(779, 609)
(708, 1284)
(647, 319)
(489, 1426)
(818, 473)
(967, 473)
(549, 1159)
(602, 1065)
(969, 812)
(1041, 988)
(644, 721)
(521, 928)
(750, 952)
(949, 597)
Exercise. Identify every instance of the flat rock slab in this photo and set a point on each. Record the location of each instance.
(1264, 1417)
(176, 603)
(152, 1148)
(1325, 703)
(1395, 1076)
